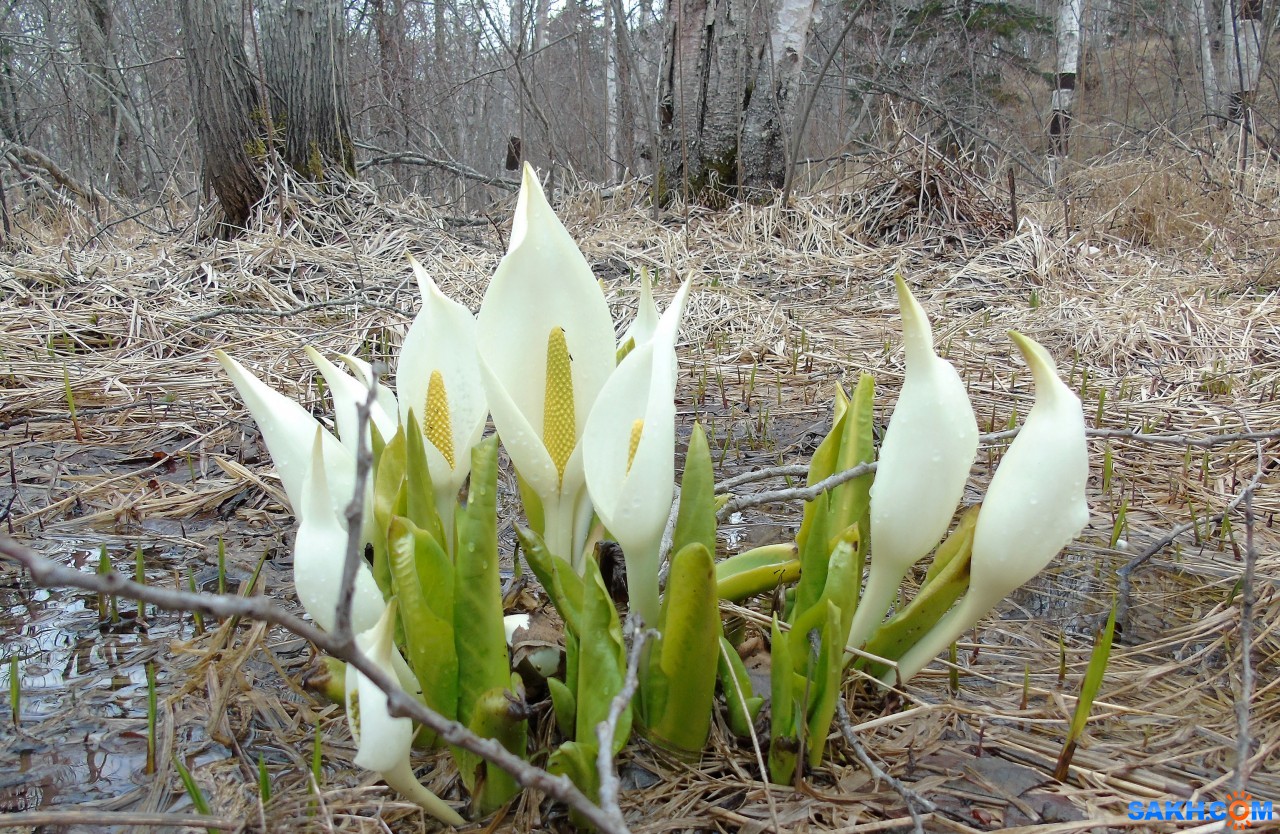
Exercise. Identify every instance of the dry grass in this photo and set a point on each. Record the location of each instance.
(1168, 331)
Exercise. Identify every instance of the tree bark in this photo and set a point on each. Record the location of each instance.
(227, 112)
(770, 113)
(110, 136)
(1064, 82)
(1242, 30)
(703, 92)
(1208, 73)
(303, 51)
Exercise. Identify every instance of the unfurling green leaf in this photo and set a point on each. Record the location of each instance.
(679, 712)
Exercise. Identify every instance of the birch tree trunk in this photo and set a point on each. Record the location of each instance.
(770, 113)
(703, 81)
(226, 105)
(1064, 82)
(303, 52)
(1208, 73)
(611, 116)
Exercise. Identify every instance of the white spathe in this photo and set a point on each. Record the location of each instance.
(289, 431)
(348, 394)
(1034, 507)
(541, 285)
(645, 323)
(383, 742)
(925, 458)
(442, 340)
(629, 454)
(320, 551)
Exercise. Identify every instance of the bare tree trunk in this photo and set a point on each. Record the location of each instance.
(770, 113)
(611, 119)
(110, 138)
(1064, 82)
(1242, 30)
(11, 122)
(226, 105)
(703, 87)
(1208, 73)
(305, 66)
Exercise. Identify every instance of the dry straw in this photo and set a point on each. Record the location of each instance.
(1157, 307)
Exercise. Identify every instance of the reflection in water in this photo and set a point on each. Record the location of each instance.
(82, 725)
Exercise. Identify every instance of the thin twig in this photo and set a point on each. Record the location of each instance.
(294, 311)
(104, 819)
(1124, 588)
(1240, 778)
(50, 574)
(808, 493)
(355, 511)
(607, 729)
(916, 804)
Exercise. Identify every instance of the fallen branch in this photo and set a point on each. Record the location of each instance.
(49, 574)
(916, 804)
(456, 168)
(607, 728)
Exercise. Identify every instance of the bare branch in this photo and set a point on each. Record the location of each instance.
(48, 573)
(916, 804)
(1125, 586)
(607, 728)
(355, 513)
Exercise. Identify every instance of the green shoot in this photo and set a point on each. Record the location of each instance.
(953, 671)
(317, 771)
(107, 607)
(151, 719)
(140, 576)
(1088, 692)
(264, 781)
(15, 690)
(71, 403)
(222, 566)
(1108, 468)
(1121, 523)
(193, 790)
(196, 616)
(1062, 659)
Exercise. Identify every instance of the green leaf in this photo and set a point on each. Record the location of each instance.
(421, 493)
(960, 539)
(743, 706)
(688, 652)
(577, 760)
(532, 504)
(1089, 689)
(565, 706)
(851, 501)
(823, 464)
(814, 557)
(601, 660)
(758, 580)
(479, 637)
(696, 519)
(824, 688)
(558, 579)
(783, 741)
(905, 628)
(388, 483)
(499, 714)
(418, 563)
(841, 590)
